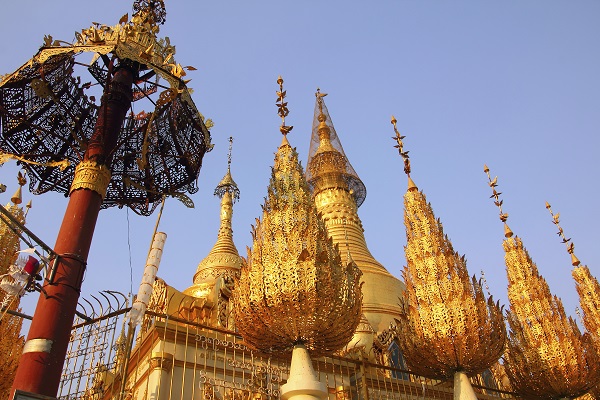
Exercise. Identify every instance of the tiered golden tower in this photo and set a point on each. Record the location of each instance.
(447, 328)
(547, 356)
(216, 273)
(294, 288)
(338, 192)
(586, 284)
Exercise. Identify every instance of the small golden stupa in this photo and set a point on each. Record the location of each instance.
(294, 288)
(547, 356)
(447, 328)
(216, 273)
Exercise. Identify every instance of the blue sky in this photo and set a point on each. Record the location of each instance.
(513, 84)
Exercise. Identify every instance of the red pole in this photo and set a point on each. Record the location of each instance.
(40, 366)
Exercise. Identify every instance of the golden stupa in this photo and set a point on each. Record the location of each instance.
(294, 288)
(338, 192)
(216, 273)
(447, 328)
(547, 356)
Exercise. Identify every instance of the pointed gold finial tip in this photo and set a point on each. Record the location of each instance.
(507, 232)
(17, 198)
(279, 80)
(411, 184)
(485, 168)
(574, 260)
(393, 121)
(547, 205)
(29, 204)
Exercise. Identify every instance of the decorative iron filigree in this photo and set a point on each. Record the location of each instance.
(47, 117)
(547, 356)
(446, 324)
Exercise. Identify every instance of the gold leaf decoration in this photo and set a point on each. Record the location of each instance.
(547, 355)
(294, 287)
(446, 324)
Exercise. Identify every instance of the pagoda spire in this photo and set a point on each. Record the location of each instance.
(223, 261)
(338, 192)
(547, 356)
(586, 284)
(447, 328)
(295, 292)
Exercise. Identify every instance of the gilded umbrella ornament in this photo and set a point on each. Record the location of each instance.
(294, 290)
(447, 328)
(547, 355)
(99, 155)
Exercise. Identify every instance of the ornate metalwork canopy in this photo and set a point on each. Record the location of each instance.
(48, 114)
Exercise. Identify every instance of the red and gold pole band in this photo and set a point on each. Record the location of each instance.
(91, 175)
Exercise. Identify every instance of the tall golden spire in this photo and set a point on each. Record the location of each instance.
(294, 288)
(223, 260)
(547, 356)
(338, 192)
(447, 328)
(586, 284)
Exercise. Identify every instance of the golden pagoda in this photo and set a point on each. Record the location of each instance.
(586, 284)
(338, 192)
(547, 356)
(294, 288)
(216, 273)
(447, 328)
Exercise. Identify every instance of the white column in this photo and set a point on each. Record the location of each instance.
(302, 383)
(462, 387)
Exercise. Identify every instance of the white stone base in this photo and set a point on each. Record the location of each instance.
(303, 383)
(462, 387)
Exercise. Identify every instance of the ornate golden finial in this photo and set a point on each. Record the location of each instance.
(294, 289)
(154, 10)
(404, 154)
(493, 183)
(570, 246)
(400, 146)
(227, 184)
(17, 198)
(447, 327)
(282, 109)
(547, 356)
(586, 284)
(319, 97)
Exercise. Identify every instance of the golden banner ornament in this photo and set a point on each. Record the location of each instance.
(90, 175)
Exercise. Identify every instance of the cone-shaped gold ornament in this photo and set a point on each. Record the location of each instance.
(294, 287)
(547, 356)
(446, 324)
(586, 284)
